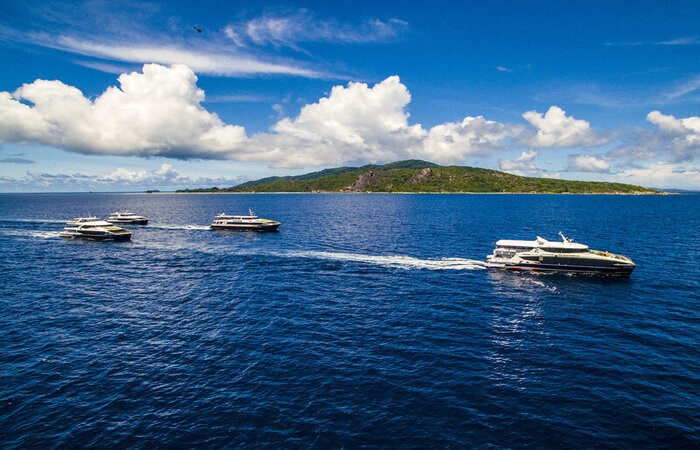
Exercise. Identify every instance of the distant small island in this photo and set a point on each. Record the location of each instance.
(415, 176)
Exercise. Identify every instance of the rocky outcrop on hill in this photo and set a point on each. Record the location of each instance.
(362, 182)
(421, 176)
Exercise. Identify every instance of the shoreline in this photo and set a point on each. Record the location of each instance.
(351, 193)
(428, 193)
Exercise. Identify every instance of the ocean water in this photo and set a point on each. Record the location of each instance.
(365, 321)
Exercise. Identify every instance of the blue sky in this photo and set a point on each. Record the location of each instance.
(126, 96)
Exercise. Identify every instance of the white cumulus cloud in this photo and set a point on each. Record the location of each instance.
(159, 112)
(520, 165)
(156, 112)
(452, 142)
(358, 124)
(663, 175)
(20, 122)
(675, 140)
(354, 123)
(556, 129)
(122, 175)
(166, 176)
(680, 137)
(588, 163)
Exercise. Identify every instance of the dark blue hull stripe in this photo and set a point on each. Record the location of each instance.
(621, 270)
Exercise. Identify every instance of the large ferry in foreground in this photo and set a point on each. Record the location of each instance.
(564, 256)
(95, 230)
(251, 222)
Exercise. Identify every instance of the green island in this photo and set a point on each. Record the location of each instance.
(415, 176)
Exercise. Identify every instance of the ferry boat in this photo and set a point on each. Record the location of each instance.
(126, 217)
(251, 222)
(95, 230)
(564, 256)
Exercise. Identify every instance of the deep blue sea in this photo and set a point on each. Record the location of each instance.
(363, 322)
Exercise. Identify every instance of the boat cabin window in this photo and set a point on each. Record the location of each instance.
(514, 248)
(562, 250)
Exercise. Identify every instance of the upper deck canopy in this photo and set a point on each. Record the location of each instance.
(541, 243)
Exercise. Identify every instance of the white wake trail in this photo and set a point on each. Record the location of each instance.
(30, 233)
(35, 220)
(180, 227)
(394, 261)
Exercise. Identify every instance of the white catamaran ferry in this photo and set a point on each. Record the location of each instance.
(251, 222)
(93, 229)
(564, 256)
(128, 218)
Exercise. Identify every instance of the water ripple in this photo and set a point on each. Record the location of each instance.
(345, 329)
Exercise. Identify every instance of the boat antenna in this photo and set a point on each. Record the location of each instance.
(564, 238)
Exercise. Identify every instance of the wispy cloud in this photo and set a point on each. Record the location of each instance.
(686, 40)
(504, 69)
(105, 48)
(104, 40)
(289, 30)
(667, 92)
(681, 90)
(15, 160)
(587, 94)
(103, 66)
(625, 44)
(202, 60)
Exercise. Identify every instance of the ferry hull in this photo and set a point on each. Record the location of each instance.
(622, 271)
(115, 238)
(247, 227)
(128, 222)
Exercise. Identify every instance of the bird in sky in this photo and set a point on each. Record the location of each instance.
(199, 30)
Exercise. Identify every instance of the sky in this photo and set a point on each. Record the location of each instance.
(128, 96)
